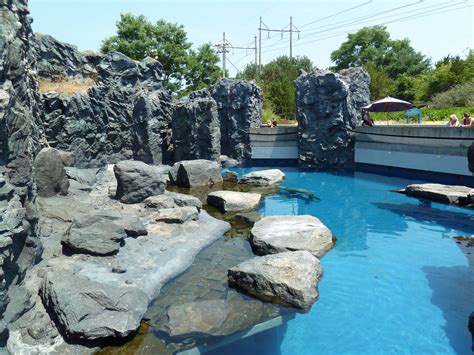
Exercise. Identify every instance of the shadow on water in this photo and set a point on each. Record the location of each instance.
(453, 294)
(428, 214)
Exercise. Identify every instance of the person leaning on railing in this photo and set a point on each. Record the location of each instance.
(453, 121)
(467, 120)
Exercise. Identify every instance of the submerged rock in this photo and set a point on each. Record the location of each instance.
(198, 172)
(289, 279)
(263, 177)
(233, 201)
(136, 181)
(211, 318)
(49, 173)
(458, 195)
(90, 310)
(230, 176)
(278, 234)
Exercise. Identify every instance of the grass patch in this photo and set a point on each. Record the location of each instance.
(68, 87)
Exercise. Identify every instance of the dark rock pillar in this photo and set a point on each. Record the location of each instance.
(196, 129)
(328, 108)
(239, 105)
(20, 140)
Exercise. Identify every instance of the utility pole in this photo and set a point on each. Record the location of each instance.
(224, 46)
(259, 46)
(255, 44)
(292, 28)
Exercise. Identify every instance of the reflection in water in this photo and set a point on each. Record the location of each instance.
(429, 214)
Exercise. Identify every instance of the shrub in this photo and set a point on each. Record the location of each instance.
(458, 95)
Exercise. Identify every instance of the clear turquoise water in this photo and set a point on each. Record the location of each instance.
(395, 283)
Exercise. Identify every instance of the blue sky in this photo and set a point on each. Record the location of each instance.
(435, 27)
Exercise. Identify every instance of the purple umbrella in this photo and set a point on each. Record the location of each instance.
(388, 104)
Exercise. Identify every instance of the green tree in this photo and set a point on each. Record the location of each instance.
(381, 84)
(202, 68)
(276, 79)
(168, 43)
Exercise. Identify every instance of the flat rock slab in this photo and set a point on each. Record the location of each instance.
(90, 310)
(97, 233)
(211, 318)
(177, 214)
(278, 234)
(263, 177)
(289, 279)
(183, 200)
(453, 194)
(233, 201)
(199, 172)
(136, 181)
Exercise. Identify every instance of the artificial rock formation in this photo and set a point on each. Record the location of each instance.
(328, 109)
(239, 104)
(196, 131)
(20, 140)
(126, 115)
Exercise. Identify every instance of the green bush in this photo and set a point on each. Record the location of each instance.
(428, 114)
(459, 95)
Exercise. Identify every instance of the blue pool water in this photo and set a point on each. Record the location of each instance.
(395, 283)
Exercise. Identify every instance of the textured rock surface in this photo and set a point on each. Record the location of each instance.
(177, 214)
(233, 201)
(263, 177)
(196, 130)
(200, 172)
(227, 162)
(230, 176)
(89, 310)
(57, 60)
(95, 233)
(126, 115)
(184, 200)
(239, 105)
(211, 318)
(278, 234)
(50, 176)
(160, 201)
(136, 181)
(21, 137)
(328, 108)
(437, 192)
(289, 279)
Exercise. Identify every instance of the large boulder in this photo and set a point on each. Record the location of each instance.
(328, 109)
(97, 233)
(239, 105)
(50, 176)
(89, 310)
(289, 279)
(277, 234)
(200, 172)
(263, 177)
(453, 194)
(211, 318)
(233, 201)
(136, 181)
(196, 131)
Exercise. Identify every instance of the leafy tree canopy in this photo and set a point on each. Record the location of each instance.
(168, 43)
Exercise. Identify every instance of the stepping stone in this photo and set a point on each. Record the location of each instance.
(233, 201)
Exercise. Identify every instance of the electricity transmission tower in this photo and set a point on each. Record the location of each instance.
(290, 28)
(224, 47)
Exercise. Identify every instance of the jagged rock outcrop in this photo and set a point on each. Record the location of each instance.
(57, 60)
(196, 130)
(126, 115)
(239, 104)
(20, 140)
(328, 108)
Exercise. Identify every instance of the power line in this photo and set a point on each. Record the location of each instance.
(224, 47)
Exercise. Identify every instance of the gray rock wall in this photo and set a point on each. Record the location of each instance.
(328, 108)
(196, 128)
(126, 115)
(239, 105)
(20, 140)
